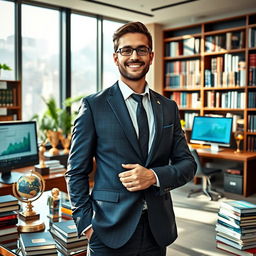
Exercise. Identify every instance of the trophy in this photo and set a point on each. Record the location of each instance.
(239, 136)
(27, 189)
(41, 167)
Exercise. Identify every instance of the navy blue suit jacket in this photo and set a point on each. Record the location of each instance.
(104, 130)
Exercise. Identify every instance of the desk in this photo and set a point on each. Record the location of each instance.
(53, 180)
(248, 160)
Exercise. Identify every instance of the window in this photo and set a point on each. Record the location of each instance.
(40, 58)
(110, 70)
(83, 55)
(7, 39)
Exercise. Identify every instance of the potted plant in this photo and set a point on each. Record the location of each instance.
(4, 67)
(55, 124)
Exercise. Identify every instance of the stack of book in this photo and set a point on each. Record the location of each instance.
(66, 237)
(39, 243)
(55, 165)
(8, 220)
(236, 228)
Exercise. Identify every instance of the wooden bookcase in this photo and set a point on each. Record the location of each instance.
(10, 100)
(210, 69)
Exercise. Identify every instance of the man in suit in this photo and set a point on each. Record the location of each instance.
(141, 154)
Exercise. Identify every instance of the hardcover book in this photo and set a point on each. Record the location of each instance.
(231, 249)
(67, 228)
(239, 206)
(37, 241)
(8, 200)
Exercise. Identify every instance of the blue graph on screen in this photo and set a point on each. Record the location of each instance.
(18, 147)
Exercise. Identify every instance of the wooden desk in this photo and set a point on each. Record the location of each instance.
(248, 160)
(53, 180)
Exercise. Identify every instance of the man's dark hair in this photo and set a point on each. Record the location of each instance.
(131, 27)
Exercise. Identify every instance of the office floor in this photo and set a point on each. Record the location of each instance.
(196, 218)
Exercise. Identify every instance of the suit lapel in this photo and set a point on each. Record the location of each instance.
(158, 118)
(118, 106)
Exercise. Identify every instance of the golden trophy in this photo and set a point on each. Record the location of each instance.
(41, 167)
(239, 136)
(65, 141)
(53, 138)
(27, 189)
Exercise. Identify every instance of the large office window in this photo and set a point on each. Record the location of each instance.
(110, 70)
(83, 55)
(40, 58)
(7, 39)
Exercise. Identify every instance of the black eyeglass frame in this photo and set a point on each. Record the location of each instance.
(135, 49)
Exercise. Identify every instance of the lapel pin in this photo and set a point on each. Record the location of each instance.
(158, 102)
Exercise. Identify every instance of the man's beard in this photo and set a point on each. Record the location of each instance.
(130, 76)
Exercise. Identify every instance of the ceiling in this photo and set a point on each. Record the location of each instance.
(166, 12)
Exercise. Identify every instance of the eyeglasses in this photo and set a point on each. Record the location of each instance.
(128, 51)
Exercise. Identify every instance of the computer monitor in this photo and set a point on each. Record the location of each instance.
(215, 131)
(18, 148)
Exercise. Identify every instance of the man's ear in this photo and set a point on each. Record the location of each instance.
(151, 57)
(115, 57)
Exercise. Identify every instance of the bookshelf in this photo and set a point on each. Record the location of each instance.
(210, 69)
(10, 100)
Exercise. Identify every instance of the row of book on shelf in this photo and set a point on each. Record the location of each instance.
(8, 97)
(213, 43)
(227, 70)
(229, 99)
(236, 228)
(214, 99)
(182, 73)
(252, 99)
(225, 41)
(251, 143)
(185, 47)
(252, 69)
(252, 37)
(252, 123)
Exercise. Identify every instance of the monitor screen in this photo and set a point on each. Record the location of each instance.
(215, 131)
(18, 148)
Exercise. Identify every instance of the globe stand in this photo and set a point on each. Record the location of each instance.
(29, 220)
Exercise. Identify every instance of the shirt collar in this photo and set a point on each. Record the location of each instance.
(127, 91)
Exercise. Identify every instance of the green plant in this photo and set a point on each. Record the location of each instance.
(4, 67)
(56, 119)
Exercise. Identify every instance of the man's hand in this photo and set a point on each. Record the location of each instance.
(137, 178)
(88, 233)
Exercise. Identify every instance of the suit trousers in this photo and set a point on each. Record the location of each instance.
(142, 243)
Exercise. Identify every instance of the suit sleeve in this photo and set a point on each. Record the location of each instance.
(182, 166)
(80, 164)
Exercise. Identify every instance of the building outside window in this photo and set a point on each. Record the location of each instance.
(110, 70)
(7, 39)
(40, 58)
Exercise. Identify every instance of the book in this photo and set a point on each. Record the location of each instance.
(222, 229)
(10, 208)
(73, 251)
(9, 237)
(238, 216)
(8, 215)
(67, 228)
(8, 200)
(234, 244)
(8, 230)
(46, 252)
(239, 206)
(231, 249)
(37, 241)
(68, 242)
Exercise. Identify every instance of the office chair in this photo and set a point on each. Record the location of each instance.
(205, 173)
